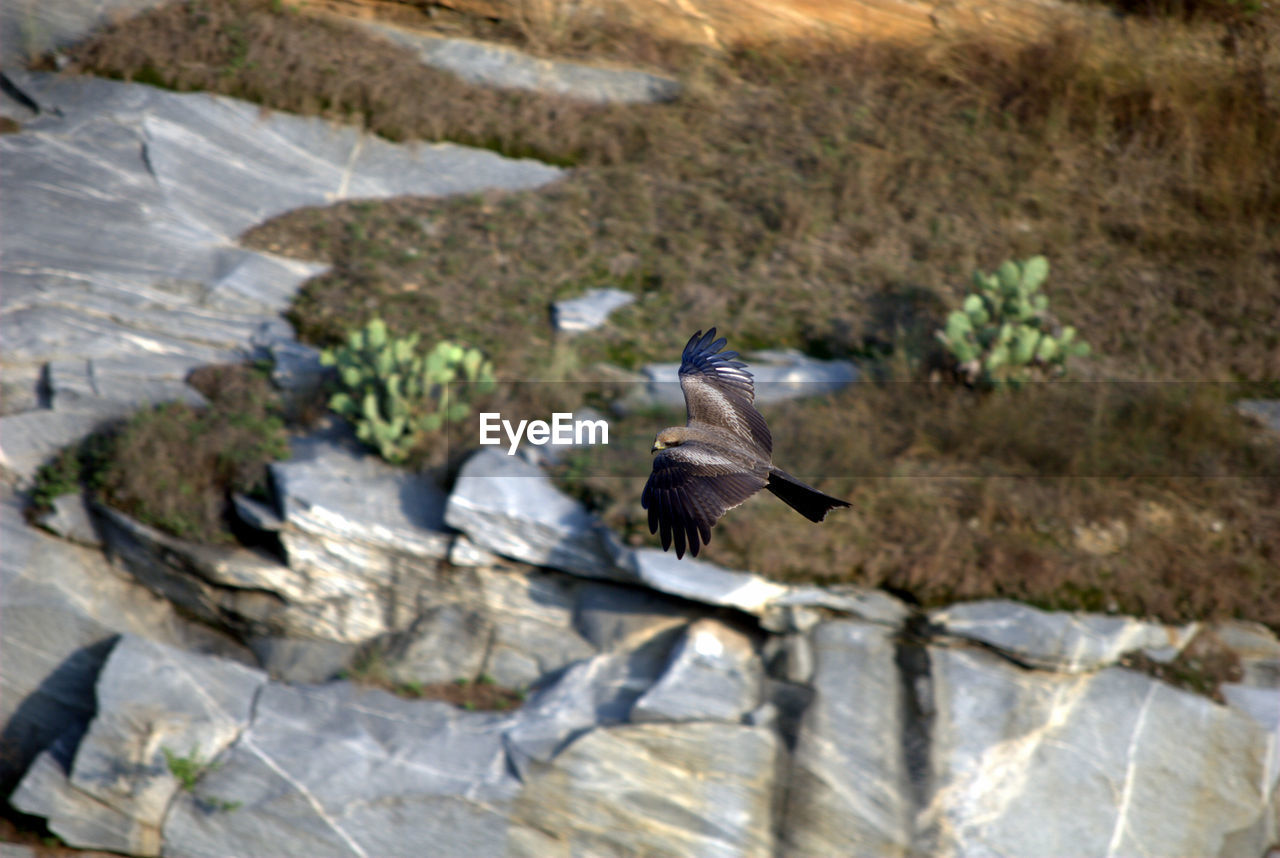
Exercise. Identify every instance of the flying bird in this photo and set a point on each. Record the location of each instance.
(720, 457)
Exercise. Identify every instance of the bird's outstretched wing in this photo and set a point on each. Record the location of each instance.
(691, 486)
(719, 392)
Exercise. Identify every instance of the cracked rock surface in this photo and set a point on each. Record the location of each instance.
(122, 208)
(812, 722)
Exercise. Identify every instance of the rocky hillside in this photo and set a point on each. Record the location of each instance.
(159, 697)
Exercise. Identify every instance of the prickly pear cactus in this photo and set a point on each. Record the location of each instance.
(1004, 334)
(397, 396)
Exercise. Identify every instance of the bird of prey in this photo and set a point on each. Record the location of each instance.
(720, 457)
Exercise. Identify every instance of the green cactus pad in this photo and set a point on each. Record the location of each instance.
(396, 396)
(1004, 333)
(1034, 272)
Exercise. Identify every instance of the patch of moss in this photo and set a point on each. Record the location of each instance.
(72, 469)
(55, 478)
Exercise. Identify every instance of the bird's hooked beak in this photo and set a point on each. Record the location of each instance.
(658, 445)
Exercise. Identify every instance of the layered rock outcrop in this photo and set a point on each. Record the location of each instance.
(167, 699)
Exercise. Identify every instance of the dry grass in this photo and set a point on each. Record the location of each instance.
(479, 694)
(174, 466)
(1146, 499)
(30, 833)
(263, 52)
(837, 201)
(826, 202)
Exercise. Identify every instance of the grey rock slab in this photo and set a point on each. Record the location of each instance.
(230, 168)
(56, 329)
(700, 581)
(789, 657)
(332, 487)
(22, 388)
(512, 623)
(121, 385)
(350, 771)
(225, 585)
(1108, 763)
(1257, 647)
(532, 620)
(70, 518)
(850, 788)
(588, 312)
(153, 701)
(508, 506)
(291, 659)
(490, 64)
(30, 439)
(1071, 642)
(346, 582)
(596, 691)
(82, 819)
(613, 617)
(191, 704)
(466, 554)
(787, 374)
(122, 208)
(448, 642)
(1257, 693)
(61, 608)
(714, 674)
(801, 608)
(700, 788)
(296, 371)
(1260, 703)
(258, 515)
(368, 538)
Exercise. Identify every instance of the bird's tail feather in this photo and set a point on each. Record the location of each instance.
(804, 499)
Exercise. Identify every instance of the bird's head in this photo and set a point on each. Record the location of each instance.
(672, 437)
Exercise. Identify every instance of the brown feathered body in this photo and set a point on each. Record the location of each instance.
(721, 457)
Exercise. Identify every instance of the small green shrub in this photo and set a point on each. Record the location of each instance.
(187, 769)
(57, 477)
(174, 466)
(396, 396)
(1004, 332)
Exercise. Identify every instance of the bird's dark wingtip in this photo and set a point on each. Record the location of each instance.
(706, 345)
